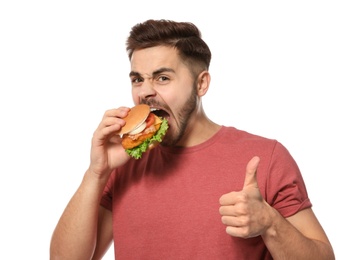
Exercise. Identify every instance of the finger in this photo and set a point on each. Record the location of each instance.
(108, 127)
(112, 120)
(251, 169)
(238, 231)
(227, 210)
(120, 112)
(109, 121)
(231, 221)
(116, 139)
(228, 199)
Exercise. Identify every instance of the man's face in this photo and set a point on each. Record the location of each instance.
(160, 79)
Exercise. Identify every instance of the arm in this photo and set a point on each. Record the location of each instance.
(75, 234)
(105, 233)
(246, 214)
(84, 229)
(306, 237)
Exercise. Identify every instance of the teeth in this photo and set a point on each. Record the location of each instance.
(153, 109)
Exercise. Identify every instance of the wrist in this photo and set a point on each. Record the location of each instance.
(272, 223)
(91, 176)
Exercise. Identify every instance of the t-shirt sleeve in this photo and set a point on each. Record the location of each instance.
(286, 190)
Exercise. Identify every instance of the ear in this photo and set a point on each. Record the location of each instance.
(203, 83)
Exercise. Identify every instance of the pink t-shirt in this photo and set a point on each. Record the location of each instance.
(166, 205)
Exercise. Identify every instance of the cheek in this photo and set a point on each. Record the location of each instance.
(135, 96)
(177, 99)
(182, 92)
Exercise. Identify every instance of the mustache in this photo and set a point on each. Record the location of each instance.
(153, 103)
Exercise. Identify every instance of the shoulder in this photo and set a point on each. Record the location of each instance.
(236, 137)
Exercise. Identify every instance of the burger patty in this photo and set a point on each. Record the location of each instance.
(131, 141)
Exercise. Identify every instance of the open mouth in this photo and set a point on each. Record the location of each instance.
(159, 112)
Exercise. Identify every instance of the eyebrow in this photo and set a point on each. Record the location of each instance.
(156, 72)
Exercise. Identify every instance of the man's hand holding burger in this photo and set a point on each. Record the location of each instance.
(124, 133)
(107, 152)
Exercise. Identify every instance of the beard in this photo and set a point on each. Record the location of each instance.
(175, 134)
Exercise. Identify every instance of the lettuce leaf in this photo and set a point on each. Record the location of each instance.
(137, 151)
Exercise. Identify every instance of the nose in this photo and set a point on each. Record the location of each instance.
(146, 90)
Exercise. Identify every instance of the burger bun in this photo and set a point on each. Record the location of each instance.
(135, 118)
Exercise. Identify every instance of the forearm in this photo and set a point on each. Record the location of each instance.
(284, 241)
(75, 234)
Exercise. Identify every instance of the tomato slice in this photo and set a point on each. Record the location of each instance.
(150, 120)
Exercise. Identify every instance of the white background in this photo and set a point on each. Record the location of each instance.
(287, 70)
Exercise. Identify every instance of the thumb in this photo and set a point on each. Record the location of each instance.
(251, 170)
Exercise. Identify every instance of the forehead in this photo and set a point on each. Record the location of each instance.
(150, 59)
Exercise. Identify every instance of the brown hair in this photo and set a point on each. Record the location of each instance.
(184, 36)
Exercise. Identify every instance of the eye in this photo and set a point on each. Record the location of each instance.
(162, 78)
(136, 80)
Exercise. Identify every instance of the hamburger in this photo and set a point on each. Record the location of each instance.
(143, 130)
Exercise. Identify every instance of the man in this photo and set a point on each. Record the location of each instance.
(207, 192)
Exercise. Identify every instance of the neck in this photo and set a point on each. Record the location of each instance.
(200, 128)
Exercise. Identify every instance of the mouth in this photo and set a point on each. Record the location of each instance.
(160, 112)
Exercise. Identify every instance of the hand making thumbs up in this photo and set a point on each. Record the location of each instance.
(245, 213)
